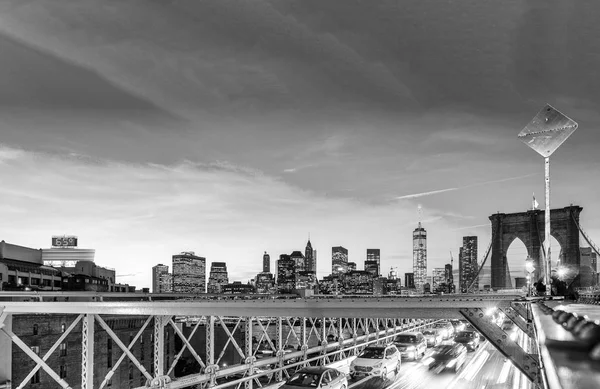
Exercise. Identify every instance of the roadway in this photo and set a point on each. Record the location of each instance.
(484, 368)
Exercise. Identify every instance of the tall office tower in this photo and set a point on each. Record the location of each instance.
(438, 278)
(372, 267)
(374, 255)
(310, 258)
(419, 256)
(449, 277)
(299, 261)
(587, 267)
(286, 274)
(266, 263)
(467, 263)
(409, 280)
(166, 283)
(189, 273)
(156, 272)
(217, 277)
(339, 260)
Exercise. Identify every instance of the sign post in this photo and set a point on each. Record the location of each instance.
(544, 134)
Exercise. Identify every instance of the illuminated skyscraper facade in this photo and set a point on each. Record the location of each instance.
(217, 277)
(339, 260)
(420, 257)
(467, 263)
(189, 273)
(374, 255)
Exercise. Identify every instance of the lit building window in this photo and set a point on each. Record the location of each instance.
(63, 349)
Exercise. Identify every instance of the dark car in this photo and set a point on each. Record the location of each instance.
(446, 357)
(317, 377)
(469, 338)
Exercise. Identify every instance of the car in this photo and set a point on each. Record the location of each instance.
(376, 361)
(433, 337)
(444, 328)
(317, 377)
(468, 338)
(510, 328)
(412, 345)
(458, 325)
(446, 357)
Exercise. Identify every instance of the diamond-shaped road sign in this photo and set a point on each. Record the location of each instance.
(547, 131)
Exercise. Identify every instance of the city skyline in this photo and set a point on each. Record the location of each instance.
(239, 137)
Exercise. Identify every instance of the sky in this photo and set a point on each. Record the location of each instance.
(229, 128)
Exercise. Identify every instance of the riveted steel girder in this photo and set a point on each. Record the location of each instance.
(528, 364)
(418, 308)
(521, 321)
(87, 352)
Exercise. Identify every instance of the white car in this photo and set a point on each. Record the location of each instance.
(317, 377)
(376, 361)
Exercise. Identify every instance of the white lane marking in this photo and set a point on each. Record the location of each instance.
(476, 367)
(504, 373)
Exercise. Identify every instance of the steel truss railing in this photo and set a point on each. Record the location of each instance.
(350, 334)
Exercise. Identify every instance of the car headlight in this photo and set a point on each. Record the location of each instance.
(378, 365)
(410, 348)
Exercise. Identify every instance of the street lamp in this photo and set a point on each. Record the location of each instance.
(544, 134)
(530, 268)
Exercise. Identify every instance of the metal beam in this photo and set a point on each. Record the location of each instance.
(87, 352)
(523, 361)
(520, 321)
(50, 351)
(25, 348)
(421, 308)
(122, 357)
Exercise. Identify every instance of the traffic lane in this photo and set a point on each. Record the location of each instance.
(489, 370)
(412, 375)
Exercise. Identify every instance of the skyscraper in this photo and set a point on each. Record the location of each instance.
(419, 256)
(374, 255)
(166, 283)
(299, 261)
(409, 280)
(286, 274)
(467, 263)
(266, 263)
(339, 260)
(438, 278)
(449, 276)
(156, 272)
(217, 277)
(189, 273)
(310, 258)
(372, 267)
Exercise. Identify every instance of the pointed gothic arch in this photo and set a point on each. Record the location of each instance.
(529, 228)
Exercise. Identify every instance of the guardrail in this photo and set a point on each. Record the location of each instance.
(569, 345)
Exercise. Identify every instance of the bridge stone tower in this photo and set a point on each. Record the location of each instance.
(529, 227)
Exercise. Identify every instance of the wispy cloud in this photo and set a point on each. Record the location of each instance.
(434, 192)
(500, 180)
(146, 212)
(422, 194)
